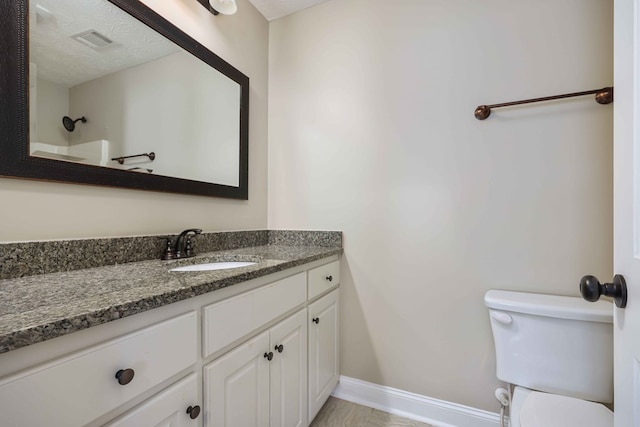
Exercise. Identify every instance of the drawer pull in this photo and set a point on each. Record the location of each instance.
(268, 356)
(124, 376)
(329, 278)
(279, 348)
(193, 412)
(315, 320)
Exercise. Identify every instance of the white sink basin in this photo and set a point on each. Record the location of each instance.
(214, 266)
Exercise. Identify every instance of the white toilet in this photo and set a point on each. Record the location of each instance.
(558, 353)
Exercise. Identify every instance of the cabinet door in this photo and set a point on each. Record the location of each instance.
(236, 386)
(172, 407)
(323, 350)
(289, 372)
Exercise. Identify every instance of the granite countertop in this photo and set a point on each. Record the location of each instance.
(40, 307)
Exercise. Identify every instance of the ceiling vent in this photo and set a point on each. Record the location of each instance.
(93, 39)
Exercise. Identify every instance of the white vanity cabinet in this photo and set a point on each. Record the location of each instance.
(262, 353)
(263, 382)
(283, 376)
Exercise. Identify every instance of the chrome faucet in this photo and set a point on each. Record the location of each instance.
(183, 245)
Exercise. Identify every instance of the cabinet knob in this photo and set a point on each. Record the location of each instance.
(268, 356)
(193, 412)
(279, 348)
(329, 278)
(315, 320)
(124, 376)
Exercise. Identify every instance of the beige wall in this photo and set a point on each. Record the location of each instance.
(371, 131)
(39, 210)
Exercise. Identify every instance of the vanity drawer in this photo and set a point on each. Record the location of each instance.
(231, 319)
(323, 278)
(76, 389)
(167, 408)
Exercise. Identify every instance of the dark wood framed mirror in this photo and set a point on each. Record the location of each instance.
(46, 149)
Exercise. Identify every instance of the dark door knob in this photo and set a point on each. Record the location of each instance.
(591, 289)
(329, 278)
(315, 320)
(279, 348)
(193, 412)
(124, 376)
(268, 356)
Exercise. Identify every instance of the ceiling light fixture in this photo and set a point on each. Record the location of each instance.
(225, 7)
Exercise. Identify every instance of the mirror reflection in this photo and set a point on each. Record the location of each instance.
(106, 90)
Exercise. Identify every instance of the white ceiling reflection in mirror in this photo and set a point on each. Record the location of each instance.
(139, 93)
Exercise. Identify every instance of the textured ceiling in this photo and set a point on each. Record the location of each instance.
(274, 9)
(63, 60)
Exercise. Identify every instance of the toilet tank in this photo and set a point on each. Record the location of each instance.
(556, 344)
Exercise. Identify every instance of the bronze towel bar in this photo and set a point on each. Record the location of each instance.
(603, 96)
(121, 159)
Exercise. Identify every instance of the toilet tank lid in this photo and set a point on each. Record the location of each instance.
(561, 307)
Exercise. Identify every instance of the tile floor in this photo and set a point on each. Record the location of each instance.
(340, 413)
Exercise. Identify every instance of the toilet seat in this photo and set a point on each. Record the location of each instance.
(551, 410)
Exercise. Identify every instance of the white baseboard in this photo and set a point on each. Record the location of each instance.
(438, 413)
